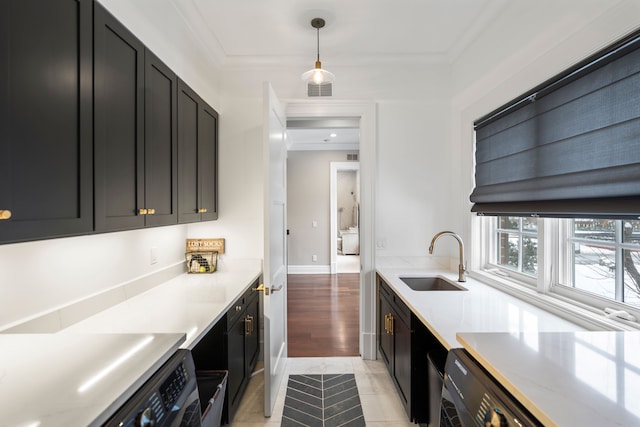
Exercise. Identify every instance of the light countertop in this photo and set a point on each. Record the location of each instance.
(188, 303)
(566, 378)
(564, 374)
(481, 308)
(41, 374)
(73, 380)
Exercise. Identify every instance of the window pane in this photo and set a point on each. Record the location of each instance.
(509, 222)
(632, 277)
(508, 250)
(530, 255)
(596, 229)
(530, 224)
(594, 269)
(631, 232)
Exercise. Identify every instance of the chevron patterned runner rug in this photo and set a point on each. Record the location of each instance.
(326, 400)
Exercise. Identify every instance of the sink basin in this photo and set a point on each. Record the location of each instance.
(431, 284)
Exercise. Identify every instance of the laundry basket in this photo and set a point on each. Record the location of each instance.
(212, 386)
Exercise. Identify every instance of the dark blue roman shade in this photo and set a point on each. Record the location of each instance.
(569, 147)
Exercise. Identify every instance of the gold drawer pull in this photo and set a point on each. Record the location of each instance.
(202, 210)
(248, 325)
(5, 214)
(151, 211)
(142, 211)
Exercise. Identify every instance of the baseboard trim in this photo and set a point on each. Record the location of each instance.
(309, 269)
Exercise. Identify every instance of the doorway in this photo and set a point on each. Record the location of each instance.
(366, 112)
(323, 198)
(345, 216)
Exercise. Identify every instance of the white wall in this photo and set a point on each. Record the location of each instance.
(413, 192)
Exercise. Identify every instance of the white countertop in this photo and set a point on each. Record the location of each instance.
(188, 303)
(566, 378)
(481, 308)
(40, 374)
(54, 380)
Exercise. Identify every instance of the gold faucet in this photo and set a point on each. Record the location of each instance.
(462, 271)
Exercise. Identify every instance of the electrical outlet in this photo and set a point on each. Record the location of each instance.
(153, 255)
(314, 258)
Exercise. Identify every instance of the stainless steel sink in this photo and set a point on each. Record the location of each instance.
(431, 284)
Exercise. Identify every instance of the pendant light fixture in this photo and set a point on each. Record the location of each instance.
(318, 76)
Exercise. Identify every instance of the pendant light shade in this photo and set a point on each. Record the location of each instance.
(317, 75)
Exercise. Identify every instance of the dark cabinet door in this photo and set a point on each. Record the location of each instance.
(386, 339)
(402, 360)
(197, 157)
(252, 339)
(161, 143)
(46, 186)
(208, 163)
(119, 130)
(236, 366)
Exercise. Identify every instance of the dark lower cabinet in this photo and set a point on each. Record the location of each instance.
(135, 131)
(46, 119)
(233, 344)
(198, 157)
(404, 344)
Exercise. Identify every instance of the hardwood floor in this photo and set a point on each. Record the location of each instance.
(323, 314)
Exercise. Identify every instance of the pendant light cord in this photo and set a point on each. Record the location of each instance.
(318, 41)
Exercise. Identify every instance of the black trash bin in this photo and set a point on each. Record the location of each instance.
(437, 361)
(212, 386)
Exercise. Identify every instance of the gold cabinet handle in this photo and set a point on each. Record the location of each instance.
(142, 211)
(5, 214)
(248, 325)
(392, 325)
(386, 323)
(202, 210)
(151, 211)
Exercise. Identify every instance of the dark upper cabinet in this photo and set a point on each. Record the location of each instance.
(46, 123)
(89, 128)
(135, 131)
(119, 129)
(161, 143)
(197, 157)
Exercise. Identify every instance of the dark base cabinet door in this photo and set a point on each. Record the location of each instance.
(402, 361)
(235, 339)
(46, 119)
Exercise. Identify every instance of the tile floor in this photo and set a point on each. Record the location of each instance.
(380, 402)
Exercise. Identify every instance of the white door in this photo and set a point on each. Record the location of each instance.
(275, 263)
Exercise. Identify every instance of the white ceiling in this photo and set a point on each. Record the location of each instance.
(359, 32)
(356, 30)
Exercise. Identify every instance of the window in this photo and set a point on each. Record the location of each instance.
(605, 259)
(591, 261)
(517, 244)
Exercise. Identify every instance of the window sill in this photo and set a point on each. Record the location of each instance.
(580, 314)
